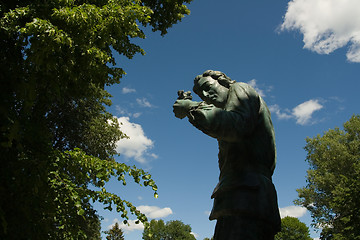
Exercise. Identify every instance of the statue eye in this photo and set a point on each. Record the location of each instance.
(207, 86)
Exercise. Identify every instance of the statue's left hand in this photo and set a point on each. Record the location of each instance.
(182, 107)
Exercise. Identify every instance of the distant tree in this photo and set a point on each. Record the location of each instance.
(92, 226)
(332, 193)
(57, 139)
(208, 238)
(178, 230)
(115, 233)
(155, 231)
(172, 230)
(293, 229)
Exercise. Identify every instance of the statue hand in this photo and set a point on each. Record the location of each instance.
(181, 108)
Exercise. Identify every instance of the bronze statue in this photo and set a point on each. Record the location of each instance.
(245, 201)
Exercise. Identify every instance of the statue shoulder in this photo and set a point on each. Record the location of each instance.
(243, 92)
(244, 87)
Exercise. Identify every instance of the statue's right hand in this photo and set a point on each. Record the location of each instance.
(181, 108)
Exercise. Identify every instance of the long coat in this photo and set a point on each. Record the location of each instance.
(247, 154)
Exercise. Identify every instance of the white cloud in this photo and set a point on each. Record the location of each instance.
(144, 102)
(136, 115)
(326, 25)
(153, 155)
(154, 211)
(302, 112)
(323, 225)
(126, 90)
(120, 110)
(131, 226)
(292, 211)
(124, 112)
(261, 92)
(195, 234)
(277, 111)
(138, 145)
(254, 85)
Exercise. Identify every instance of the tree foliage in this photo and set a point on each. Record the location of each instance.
(57, 140)
(332, 193)
(293, 229)
(172, 230)
(115, 233)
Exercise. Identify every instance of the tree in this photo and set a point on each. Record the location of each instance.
(115, 233)
(92, 230)
(172, 230)
(332, 193)
(57, 140)
(292, 228)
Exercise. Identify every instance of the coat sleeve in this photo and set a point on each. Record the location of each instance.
(236, 120)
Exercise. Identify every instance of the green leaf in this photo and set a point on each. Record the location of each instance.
(58, 140)
(81, 212)
(331, 194)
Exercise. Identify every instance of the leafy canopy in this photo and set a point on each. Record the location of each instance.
(293, 229)
(57, 140)
(332, 193)
(115, 233)
(175, 229)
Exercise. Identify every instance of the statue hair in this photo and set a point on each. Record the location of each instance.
(217, 75)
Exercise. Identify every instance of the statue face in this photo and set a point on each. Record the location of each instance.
(212, 92)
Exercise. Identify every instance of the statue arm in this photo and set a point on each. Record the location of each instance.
(231, 123)
(182, 107)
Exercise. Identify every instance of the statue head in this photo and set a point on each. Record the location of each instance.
(213, 87)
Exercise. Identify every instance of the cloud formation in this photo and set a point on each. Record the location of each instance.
(260, 91)
(131, 226)
(326, 25)
(149, 211)
(253, 83)
(292, 211)
(138, 144)
(275, 109)
(126, 90)
(144, 102)
(124, 111)
(302, 113)
(154, 211)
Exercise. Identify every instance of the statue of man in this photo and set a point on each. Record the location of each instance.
(245, 202)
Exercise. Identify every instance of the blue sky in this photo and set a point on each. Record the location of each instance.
(302, 56)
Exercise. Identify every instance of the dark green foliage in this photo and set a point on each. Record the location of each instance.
(293, 229)
(332, 193)
(115, 233)
(92, 229)
(57, 141)
(172, 230)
